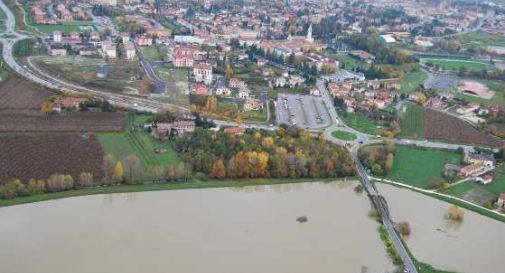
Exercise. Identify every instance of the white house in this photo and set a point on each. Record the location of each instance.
(109, 50)
(203, 73)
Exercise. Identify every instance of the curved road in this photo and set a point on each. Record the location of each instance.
(9, 37)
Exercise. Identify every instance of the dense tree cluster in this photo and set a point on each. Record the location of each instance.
(282, 153)
(383, 54)
(378, 158)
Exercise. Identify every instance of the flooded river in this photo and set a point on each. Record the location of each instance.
(251, 229)
(474, 246)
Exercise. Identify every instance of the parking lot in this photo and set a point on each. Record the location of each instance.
(302, 111)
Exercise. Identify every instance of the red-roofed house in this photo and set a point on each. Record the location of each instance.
(235, 130)
(201, 89)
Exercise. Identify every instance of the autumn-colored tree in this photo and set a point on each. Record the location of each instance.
(218, 170)
(228, 72)
(421, 98)
(68, 182)
(267, 142)
(56, 182)
(390, 158)
(171, 173)
(108, 164)
(156, 173)
(46, 108)
(262, 164)
(36, 187)
(133, 170)
(455, 213)
(211, 104)
(118, 175)
(85, 179)
(13, 189)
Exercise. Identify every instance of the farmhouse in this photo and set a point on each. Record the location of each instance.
(235, 130)
(472, 169)
(67, 103)
(163, 129)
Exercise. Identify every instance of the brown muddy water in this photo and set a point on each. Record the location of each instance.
(474, 246)
(251, 229)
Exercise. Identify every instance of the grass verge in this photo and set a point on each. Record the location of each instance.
(192, 184)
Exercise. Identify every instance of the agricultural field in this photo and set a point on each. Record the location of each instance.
(412, 81)
(33, 121)
(444, 127)
(118, 76)
(18, 94)
(39, 156)
(455, 64)
(412, 121)
(360, 123)
(343, 135)
(150, 151)
(421, 167)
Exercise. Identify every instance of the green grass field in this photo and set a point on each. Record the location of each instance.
(141, 144)
(343, 135)
(420, 167)
(66, 27)
(349, 62)
(361, 123)
(153, 52)
(455, 64)
(411, 81)
(412, 121)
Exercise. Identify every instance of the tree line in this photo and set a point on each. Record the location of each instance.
(283, 153)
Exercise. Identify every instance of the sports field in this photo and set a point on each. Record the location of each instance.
(421, 167)
(66, 28)
(456, 64)
(412, 121)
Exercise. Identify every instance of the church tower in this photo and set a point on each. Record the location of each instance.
(309, 34)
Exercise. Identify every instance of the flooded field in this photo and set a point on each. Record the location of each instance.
(474, 246)
(251, 229)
